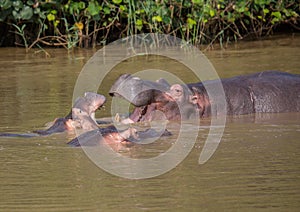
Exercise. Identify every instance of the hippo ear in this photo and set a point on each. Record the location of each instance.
(124, 76)
(87, 94)
(136, 78)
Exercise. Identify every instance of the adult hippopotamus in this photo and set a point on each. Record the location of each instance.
(137, 91)
(82, 116)
(149, 97)
(264, 92)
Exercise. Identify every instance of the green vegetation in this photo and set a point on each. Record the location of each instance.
(72, 23)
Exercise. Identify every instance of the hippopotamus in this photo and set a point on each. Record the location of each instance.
(264, 92)
(148, 96)
(137, 91)
(116, 138)
(82, 120)
(82, 116)
(110, 135)
(83, 108)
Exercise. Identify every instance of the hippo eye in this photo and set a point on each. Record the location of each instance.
(177, 90)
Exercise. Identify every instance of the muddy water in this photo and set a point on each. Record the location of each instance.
(256, 166)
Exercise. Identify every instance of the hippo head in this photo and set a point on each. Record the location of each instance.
(152, 98)
(90, 102)
(137, 91)
(94, 100)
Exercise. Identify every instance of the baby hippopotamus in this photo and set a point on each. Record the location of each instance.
(82, 116)
(110, 135)
(116, 139)
(83, 108)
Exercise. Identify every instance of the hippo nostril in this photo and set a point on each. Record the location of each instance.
(113, 94)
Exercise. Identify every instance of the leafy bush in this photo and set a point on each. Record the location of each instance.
(85, 23)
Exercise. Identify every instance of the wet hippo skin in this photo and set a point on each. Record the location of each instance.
(81, 116)
(112, 136)
(150, 97)
(264, 92)
(83, 108)
(137, 91)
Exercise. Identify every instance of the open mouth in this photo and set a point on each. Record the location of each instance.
(137, 91)
(101, 107)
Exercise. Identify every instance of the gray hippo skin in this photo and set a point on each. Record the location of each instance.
(149, 97)
(137, 91)
(264, 92)
(112, 136)
(83, 105)
(81, 116)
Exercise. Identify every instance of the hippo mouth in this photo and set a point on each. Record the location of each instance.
(155, 100)
(141, 99)
(100, 107)
(135, 90)
(96, 101)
